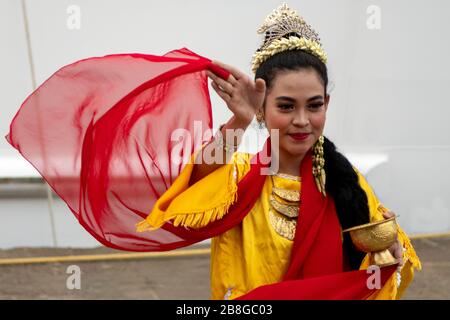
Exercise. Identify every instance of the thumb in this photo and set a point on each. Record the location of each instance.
(388, 214)
(260, 85)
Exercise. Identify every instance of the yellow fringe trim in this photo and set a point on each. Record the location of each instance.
(202, 219)
(144, 226)
(410, 254)
(198, 220)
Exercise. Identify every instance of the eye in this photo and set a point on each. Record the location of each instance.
(286, 106)
(316, 105)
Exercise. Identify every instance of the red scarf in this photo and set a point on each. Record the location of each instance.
(99, 131)
(316, 265)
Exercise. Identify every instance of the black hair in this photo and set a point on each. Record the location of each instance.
(349, 198)
(291, 60)
(341, 179)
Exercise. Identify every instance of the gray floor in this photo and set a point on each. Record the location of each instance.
(171, 278)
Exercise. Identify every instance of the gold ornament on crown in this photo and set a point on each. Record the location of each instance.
(277, 25)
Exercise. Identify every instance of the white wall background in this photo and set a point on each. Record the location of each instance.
(388, 111)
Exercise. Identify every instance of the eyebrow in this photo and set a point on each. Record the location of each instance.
(293, 100)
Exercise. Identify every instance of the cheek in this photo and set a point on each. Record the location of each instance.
(318, 120)
(276, 120)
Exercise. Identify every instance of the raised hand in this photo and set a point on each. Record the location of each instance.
(243, 96)
(396, 249)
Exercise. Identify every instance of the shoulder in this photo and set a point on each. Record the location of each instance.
(364, 184)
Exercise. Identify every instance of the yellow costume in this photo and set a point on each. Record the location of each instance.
(252, 253)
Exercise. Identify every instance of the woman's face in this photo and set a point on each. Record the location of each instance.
(296, 106)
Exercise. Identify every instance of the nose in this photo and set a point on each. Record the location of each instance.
(301, 118)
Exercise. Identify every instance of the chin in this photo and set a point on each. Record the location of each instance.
(297, 150)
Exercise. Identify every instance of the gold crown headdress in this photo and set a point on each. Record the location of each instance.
(281, 22)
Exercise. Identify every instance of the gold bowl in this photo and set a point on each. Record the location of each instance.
(376, 238)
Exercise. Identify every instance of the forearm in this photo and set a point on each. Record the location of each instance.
(214, 154)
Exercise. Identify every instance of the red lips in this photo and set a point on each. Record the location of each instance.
(299, 136)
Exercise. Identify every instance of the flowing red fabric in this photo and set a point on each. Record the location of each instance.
(100, 132)
(105, 133)
(350, 285)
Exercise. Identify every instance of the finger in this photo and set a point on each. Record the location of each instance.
(220, 72)
(232, 80)
(388, 214)
(235, 72)
(399, 254)
(226, 97)
(398, 251)
(223, 84)
(212, 75)
(392, 250)
(260, 85)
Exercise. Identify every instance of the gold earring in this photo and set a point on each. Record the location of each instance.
(260, 119)
(319, 166)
